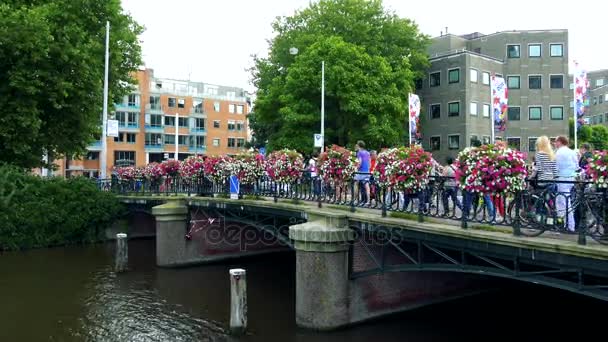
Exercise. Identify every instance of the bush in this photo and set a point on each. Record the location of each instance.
(42, 212)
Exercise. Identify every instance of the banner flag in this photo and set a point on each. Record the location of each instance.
(414, 118)
(499, 103)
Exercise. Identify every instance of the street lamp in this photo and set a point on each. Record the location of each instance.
(294, 51)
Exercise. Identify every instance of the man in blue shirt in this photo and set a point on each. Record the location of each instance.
(567, 165)
(363, 175)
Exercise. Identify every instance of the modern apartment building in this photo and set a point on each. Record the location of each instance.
(211, 120)
(456, 94)
(598, 97)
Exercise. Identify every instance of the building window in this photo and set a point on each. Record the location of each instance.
(513, 51)
(124, 158)
(600, 99)
(169, 120)
(473, 140)
(486, 110)
(453, 108)
(599, 82)
(435, 143)
(197, 141)
(557, 50)
(231, 108)
(182, 139)
(199, 124)
(534, 50)
(240, 109)
(172, 102)
(514, 143)
(156, 120)
(454, 142)
(132, 120)
(473, 75)
(535, 113)
(133, 100)
(532, 144)
(231, 125)
(197, 106)
(92, 155)
(120, 138)
(154, 102)
(557, 81)
(473, 108)
(170, 139)
(131, 138)
(535, 82)
(182, 122)
(216, 142)
(435, 110)
(216, 106)
(240, 125)
(181, 103)
(606, 117)
(240, 142)
(453, 76)
(154, 139)
(485, 78)
(513, 114)
(513, 82)
(435, 79)
(231, 142)
(216, 123)
(594, 100)
(557, 113)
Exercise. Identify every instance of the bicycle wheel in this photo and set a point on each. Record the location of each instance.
(595, 221)
(530, 224)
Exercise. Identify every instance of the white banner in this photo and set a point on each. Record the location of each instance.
(414, 118)
(318, 140)
(499, 103)
(112, 128)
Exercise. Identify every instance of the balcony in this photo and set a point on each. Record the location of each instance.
(154, 147)
(130, 127)
(197, 112)
(156, 109)
(95, 146)
(127, 107)
(198, 131)
(199, 149)
(159, 129)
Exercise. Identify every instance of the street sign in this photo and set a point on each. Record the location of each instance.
(112, 128)
(318, 139)
(234, 187)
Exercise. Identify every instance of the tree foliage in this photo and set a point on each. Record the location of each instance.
(596, 135)
(52, 71)
(372, 58)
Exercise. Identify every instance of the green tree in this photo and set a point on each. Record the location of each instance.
(596, 135)
(372, 58)
(51, 74)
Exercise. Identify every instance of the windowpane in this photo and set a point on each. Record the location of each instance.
(169, 139)
(216, 106)
(231, 108)
(154, 102)
(513, 51)
(532, 144)
(474, 140)
(124, 158)
(534, 82)
(557, 81)
(454, 76)
(172, 102)
(183, 122)
(513, 114)
(514, 143)
(435, 111)
(181, 103)
(240, 142)
(473, 76)
(453, 142)
(557, 113)
(534, 50)
(473, 108)
(183, 139)
(169, 121)
(131, 138)
(599, 82)
(485, 78)
(453, 108)
(435, 143)
(435, 79)
(239, 109)
(557, 50)
(231, 142)
(485, 139)
(513, 82)
(156, 120)
(216, 142)
(486, 110)
(535, 113)
(216, 123)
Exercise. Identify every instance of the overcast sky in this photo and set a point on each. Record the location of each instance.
(212, 40)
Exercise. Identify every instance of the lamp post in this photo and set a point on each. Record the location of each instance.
(104, 117)
(294, 51)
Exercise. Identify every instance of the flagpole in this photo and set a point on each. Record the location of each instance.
(104, 120)
(409, 120)
(491, 110)
(574, 109)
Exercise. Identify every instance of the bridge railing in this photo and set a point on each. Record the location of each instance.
(558, 207)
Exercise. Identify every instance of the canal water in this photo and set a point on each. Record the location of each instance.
(72, 294)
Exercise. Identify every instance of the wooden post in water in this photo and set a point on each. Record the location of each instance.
(238, 301)
(122, 253)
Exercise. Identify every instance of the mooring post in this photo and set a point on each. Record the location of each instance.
(238, 301)
(122, 253)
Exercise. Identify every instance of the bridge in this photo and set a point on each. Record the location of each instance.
(356, 263)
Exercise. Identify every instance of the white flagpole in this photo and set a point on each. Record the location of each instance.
(491, 109)
(104, 120)
(409, 120)
(574, 110)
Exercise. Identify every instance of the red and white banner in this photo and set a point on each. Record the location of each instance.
(414, 118)
(499, 103)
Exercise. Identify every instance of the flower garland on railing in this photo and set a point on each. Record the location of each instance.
(248, 167)
(218, 168)
(192, 168)
(129, 172)
(408, 168)
(153, 172)
(285, 166)
(170, 167)
(491, 169)
(337, 164)
(385, 159)
(597, 169)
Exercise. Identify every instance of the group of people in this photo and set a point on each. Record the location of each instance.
(551, 163)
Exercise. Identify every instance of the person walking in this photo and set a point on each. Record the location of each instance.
(362, 176)
(450, 189)
(567, 165)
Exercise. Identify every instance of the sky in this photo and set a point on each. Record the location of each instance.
(212, 40)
